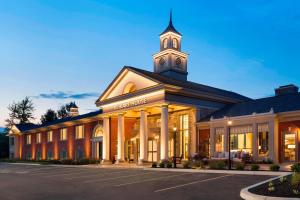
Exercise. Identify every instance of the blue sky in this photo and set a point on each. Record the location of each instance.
(60, 51)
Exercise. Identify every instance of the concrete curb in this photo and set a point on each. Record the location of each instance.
(263, 173)
(245, 194)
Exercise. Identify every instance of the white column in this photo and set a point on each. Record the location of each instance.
(120, 156)
(105, 142)
(143, 137)
(226, 141)
(271, 140)
(164, 133)
(195, 116)
(255, 141)
(212, 141)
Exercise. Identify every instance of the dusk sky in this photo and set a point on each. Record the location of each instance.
(61, 51)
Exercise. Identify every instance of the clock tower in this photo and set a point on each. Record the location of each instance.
(170, 60)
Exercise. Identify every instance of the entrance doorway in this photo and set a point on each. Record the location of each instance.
(289, 141)
(97, 142)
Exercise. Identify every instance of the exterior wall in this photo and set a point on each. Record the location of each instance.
(252, 121)
(56, 146)
(285, 126)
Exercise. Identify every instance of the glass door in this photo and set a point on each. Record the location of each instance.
(290, 147)
(152, 151)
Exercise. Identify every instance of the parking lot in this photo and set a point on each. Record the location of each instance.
(19, 181)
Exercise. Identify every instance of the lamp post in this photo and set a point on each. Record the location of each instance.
(174, 146)
(229, 123)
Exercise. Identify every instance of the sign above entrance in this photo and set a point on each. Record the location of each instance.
(130, 104)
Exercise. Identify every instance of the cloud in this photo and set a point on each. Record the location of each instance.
(67, 95)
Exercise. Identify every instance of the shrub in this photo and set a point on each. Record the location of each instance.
(66, 162)
(198, 163)
(274, 167)
(295, 181)
(255, 167)
(187, 164)
(217, 164)
(154, 165)
(169, 164)
(94, 161)
(161, 164)
(295, 167)
(240, 166)
(271, 187)
(84, 161)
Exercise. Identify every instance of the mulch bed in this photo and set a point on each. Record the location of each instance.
(282, 189)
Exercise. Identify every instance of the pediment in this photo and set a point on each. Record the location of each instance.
(125, 81)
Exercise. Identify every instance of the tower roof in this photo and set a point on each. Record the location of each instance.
(170, 27)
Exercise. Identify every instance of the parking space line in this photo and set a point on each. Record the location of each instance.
(94, 175)
(149, 180)
(191, 183)
(63, 170)
(67, 173)
(107, 179)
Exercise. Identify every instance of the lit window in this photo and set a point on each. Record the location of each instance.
(79, 132)
(63, 134)
(165, 43)
(175, 43)
(28, 139)
(184, 134)
(38, 138)
(49, 136)
(219, 139)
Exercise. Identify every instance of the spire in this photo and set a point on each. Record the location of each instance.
(170, 27)
(170, 22)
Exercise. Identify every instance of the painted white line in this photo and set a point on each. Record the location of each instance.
(101, 180)
(67, 173)
(149, 180)
(63, 170)
(191, 183)
(96, 175)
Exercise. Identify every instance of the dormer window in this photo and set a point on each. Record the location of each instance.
(175, 43)
(165, 43)
(130, 87)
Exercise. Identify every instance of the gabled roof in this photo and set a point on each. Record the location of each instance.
(189, 85)
(275, 104)
(30, 126)
(170, 27)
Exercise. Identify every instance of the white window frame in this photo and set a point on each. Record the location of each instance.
(63, 134)
(38, 138)
(28, 139)
(79, 132)
(50, 136)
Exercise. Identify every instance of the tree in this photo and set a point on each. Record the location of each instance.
(20, 112)
(64, 110)
(4, 144)
(49, 116)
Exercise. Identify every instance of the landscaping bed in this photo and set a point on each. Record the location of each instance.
(286, 186)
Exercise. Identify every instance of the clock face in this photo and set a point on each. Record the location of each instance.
(162, 61)
(178, 61)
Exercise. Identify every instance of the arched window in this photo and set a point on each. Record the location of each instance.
(175, 43)
(98, 132)
(129, 87)
(165, 43)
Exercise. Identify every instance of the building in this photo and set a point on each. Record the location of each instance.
(142, 112)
